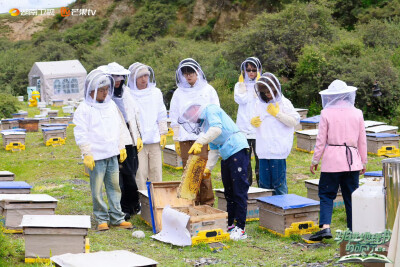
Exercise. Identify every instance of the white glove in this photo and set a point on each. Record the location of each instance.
(242, 88)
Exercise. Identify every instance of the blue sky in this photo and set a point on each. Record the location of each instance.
(6, 5)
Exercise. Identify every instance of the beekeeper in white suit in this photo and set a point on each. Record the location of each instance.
(101, 134)
(130, 203)
(192, 85)
(153, 121)
(246, 98)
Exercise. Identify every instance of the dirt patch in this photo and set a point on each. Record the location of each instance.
(77, 181)
(300, 176)
(24, 28)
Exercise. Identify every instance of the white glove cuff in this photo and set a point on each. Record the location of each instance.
(85, 150)
(209, 136)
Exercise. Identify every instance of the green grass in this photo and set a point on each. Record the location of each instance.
(58, 171)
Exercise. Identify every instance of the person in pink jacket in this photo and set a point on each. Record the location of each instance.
(342, 144)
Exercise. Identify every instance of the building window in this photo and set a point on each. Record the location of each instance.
(38, 85)
(57, 87)
(66, 86)
(74, 86)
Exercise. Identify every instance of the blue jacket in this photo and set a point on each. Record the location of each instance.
(231, 140)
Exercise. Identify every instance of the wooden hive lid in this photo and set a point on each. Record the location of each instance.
(27, 198)
(121, 258)
(6, 173)
(311, 132)
(56, 221)
(14, 185)
(381, 128)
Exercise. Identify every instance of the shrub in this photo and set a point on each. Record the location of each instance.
(87, 32)
(8, 106)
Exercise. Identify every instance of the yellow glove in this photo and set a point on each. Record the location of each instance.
(273, 110)
(178, 148)
(139, 144)
(255, 121)
(206, 171)
(122, 155)
(88, 161)
(163, 141)
(195, 149)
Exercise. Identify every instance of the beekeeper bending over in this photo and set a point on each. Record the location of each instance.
(192, 85)
(130, 203)
(342, 142)
(275, 120)
(221, 133)
(153, 122)
(100, 133)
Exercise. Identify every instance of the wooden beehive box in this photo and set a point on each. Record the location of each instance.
(163, 194)
(375, 141)
(279, 212)
(312, 192)
(171, 158)
(373, 174)
(14, 206)
(369, 124)
(51, 235)
(62, 120)
(23, 114)
(382, 129)
(57, 103)
(253, 194)
(47, 125)
(204, 218)
(6, 176)
(120, 258)
(15, 187)
(30, 125)
(54, 132)
(13, 137)
(306, 139)
(43, 121)
(145, 213)
(52, 113)
(7, 124)
(310, 123)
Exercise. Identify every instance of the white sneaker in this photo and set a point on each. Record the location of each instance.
(238, 234)
(230, 228)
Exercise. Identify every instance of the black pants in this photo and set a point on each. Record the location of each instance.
(236, 185)
(252, 147)
(327, 190)
(127, 173)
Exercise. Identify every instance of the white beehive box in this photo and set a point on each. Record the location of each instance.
(6, 176)
(171, 158)
(382, 129)
(14, 206)
(369, 124)
(253, 194)
(306, 139)
(51, 235)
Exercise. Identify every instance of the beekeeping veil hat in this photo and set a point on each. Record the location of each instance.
(95, 80)
(243, 74)
(338, 95)
(118, 72)
(189, 63)
(190, 117)
(268, 83)
(137, 70)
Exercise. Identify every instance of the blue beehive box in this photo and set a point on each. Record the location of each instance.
(281, 212)
(310, 123)
(15, 187)
(373, 174)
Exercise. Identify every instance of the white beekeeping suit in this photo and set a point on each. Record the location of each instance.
(275, 135)
(100, 128)
(201, 91)
(125, 102)
(246, 98)
(153, 113)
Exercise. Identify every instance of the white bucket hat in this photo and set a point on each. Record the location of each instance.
(338, 87)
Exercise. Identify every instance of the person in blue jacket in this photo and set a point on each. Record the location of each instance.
(214, 127)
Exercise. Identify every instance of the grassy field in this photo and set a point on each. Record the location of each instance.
(58, 171)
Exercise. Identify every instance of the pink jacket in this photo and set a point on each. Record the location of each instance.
(338, 126)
